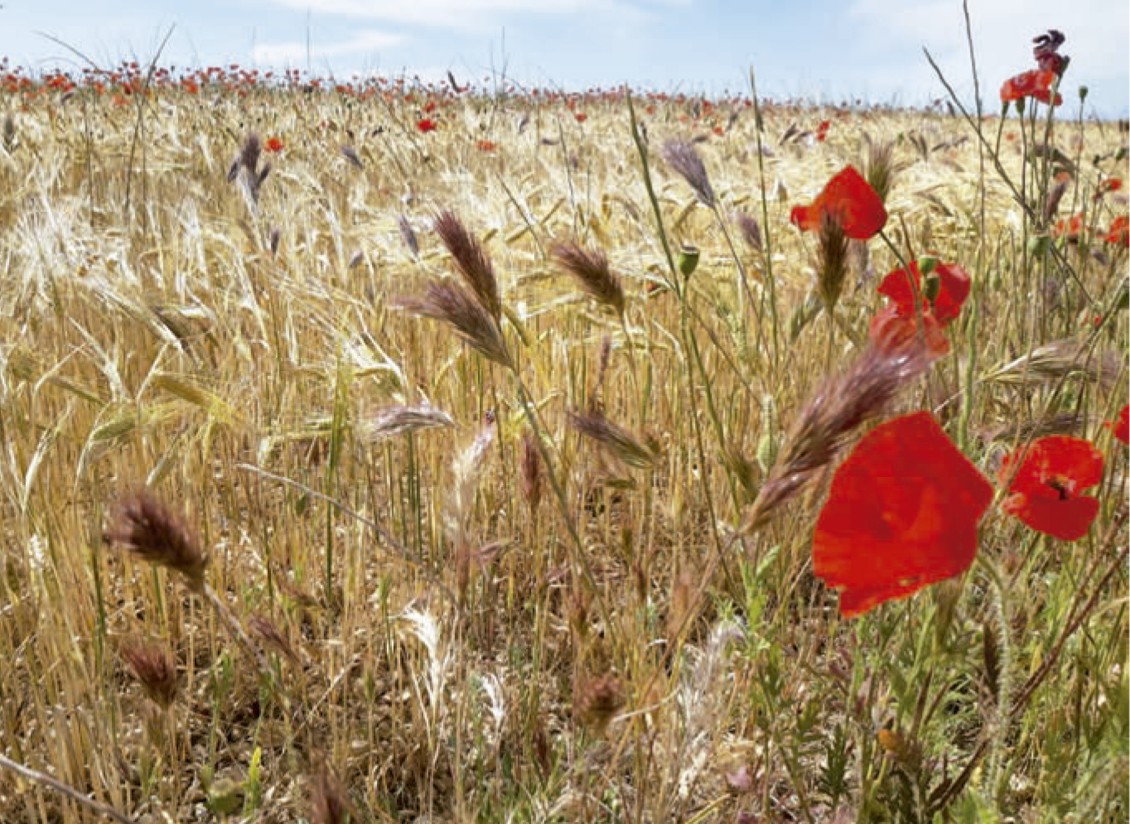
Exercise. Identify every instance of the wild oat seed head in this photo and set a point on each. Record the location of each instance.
(249, 153)
(328, 801)
(147, 527)
(401, 420)
(269, 633)
(832, 413)
(617, 440)
(453, 305)
(682, 157)
(598, 700)
(531, 473)
(590, 269)
(153, 666)
(750, 230)
(471, 261)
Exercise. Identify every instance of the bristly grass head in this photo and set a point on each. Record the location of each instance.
(879, 167)
(155, 670)
(682, 157)
(452, 304)
(471, 261)
(147, 527)
(399, 420)
(832, 413)
(329, 803)
(590, 268)
(617, 440)
(833, 260)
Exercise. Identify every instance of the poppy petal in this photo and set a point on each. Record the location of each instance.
(902, 512)
(1045, 482)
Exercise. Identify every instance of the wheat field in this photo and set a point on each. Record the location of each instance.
(435, 419)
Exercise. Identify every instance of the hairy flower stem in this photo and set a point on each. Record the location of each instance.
(689, 343)
(765, 223)
(526, 402)
(999, 740)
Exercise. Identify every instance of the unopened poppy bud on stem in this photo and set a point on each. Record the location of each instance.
(687, 260)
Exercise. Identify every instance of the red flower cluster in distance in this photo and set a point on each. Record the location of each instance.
(1045, 479)
(848, 199)
(897, 323)
(273, 145)
(1119, 231)
(425, 125)
(902, 512)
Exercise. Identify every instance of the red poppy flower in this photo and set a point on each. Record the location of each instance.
(1045, 479)
(897, 323)
(426, 125)
(822, 130)
(1070, 227)
(1035, 83)
(486, 145)
(580, 117)
(1121, 428)
(1119, 231)
(850, 200)
(273, 145)
(1110, 184)
(901, 513)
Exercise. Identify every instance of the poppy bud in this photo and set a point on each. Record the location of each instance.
(927, 264)
(1038, 245)
(931, 285)
(1083, 93)
(687, 260)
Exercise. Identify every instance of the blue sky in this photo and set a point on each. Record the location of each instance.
(821, 50)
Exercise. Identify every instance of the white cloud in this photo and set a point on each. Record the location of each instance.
(293, 52)
(461, 14)
(1097, 32)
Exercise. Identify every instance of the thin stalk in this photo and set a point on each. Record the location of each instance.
(65, 789)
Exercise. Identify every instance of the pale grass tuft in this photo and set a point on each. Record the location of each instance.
(1058, 360)
(426, 629)
(702, 702)
(393, 421)
(466, 471)
(149, 529)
